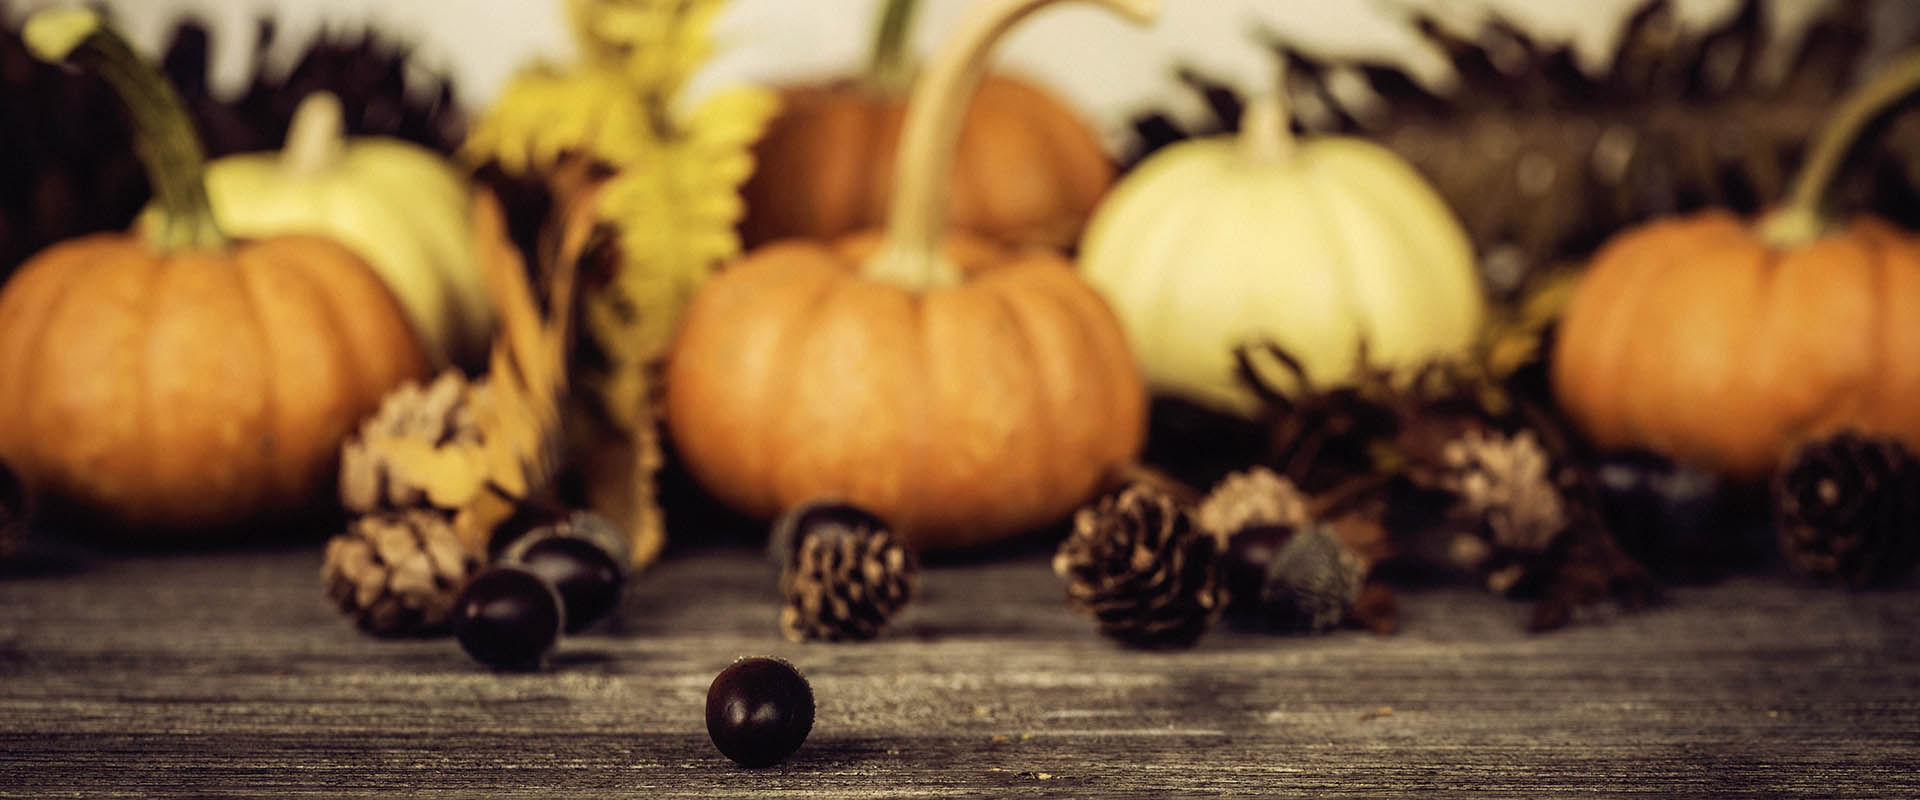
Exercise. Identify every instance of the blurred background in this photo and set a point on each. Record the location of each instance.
(1106, 68)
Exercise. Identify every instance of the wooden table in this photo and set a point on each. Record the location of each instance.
(227, 675)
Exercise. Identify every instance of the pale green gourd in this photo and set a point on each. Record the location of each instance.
(1315, 244)
(401, 207)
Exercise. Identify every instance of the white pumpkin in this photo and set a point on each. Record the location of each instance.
(1316, 244)
(401, 207)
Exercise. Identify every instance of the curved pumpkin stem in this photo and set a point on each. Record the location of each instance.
(931, 134)
(888, 68)
(1266, 134)
(163, 133)
(1802, 218)
(317, 137)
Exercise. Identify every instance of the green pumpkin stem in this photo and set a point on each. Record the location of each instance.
(163, 133)
(1803, 218)
(316, 139)
(888, 67)
(916, 218)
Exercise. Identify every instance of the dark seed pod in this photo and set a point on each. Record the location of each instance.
(508, 618)
(583, 556)
(759, 711)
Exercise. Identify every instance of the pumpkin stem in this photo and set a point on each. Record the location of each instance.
(316, 140)
(1802, 218)
(163, 133)
(930, 136)
(888, 70)
(1266, 135)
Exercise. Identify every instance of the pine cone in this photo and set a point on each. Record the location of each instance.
(1258, 496)
(1505, 482)
(1137, 563)
(1507, 502)
(420, 450)
(398, 573)
(1849, 509)
(845, 574)
(13, 510)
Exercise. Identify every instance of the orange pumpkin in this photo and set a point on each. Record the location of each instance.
(1027, 169)
(962, 391)
(170, 379)
(1723, 343)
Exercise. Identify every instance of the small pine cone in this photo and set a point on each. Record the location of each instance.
(1140, 566)
(398, 573)
(1849, 510)
(1505, 484)
(1258, 496)
(419, 450)
(845, 573)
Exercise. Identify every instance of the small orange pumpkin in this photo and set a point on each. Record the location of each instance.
(1723, 343)
(167, 378)
(1027, 170)
(957, 389)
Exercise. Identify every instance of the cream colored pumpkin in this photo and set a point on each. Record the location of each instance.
(1317, 245)
(400, 206)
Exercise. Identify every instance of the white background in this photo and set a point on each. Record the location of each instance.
(1106, 68)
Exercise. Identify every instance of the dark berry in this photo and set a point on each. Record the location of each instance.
(587, 577)
(819, 518)
(508, 618)
(759, 710)
(1684, 523)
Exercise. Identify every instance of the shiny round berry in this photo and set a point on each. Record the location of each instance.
(587, 577)
(508, 618)
(759, 710)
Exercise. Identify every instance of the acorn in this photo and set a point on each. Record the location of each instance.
(509, 618)
(583, 556)
(759, 711)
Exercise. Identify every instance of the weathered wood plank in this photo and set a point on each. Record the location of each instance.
(227, 675)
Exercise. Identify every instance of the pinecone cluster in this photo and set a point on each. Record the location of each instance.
(1143, 569)
(1507, 510)
(411, 476)
(418, 450)
(1849, 510)
(845, 574)
(397, 573)
(1505, 481)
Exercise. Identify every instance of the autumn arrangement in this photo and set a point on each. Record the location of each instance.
(1252, 378)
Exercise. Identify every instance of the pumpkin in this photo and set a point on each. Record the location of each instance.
(168, 378)
(1722, 343)
(1320, 245)
(400, 206)
(961, 390)
(1027, 170)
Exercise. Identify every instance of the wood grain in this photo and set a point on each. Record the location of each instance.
(227, 675)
